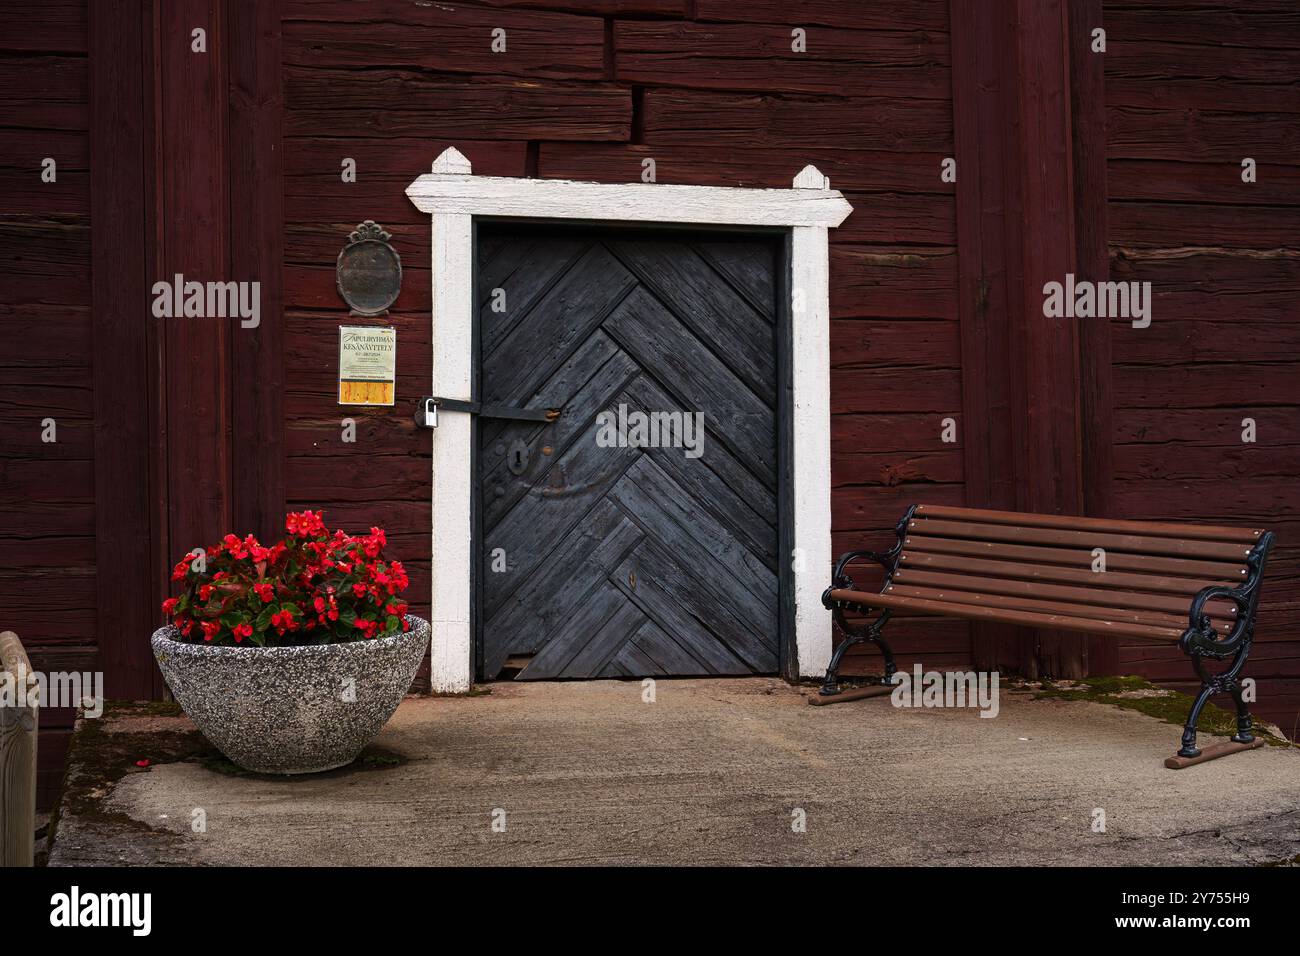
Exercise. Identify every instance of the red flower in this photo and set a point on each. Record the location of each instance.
(242, 631)
(265, 591)
(169, 606)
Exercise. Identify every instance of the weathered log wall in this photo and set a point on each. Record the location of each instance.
(1192, 89)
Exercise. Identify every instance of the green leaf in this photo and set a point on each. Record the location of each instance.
(232, 619)
(264, 619)
(392, 623)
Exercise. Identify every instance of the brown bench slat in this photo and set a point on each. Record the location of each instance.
(1096, 612)
(1224, 610)
(1080, 558)
(1006, 616)
(1113, 525)
(977, 567)
(1021, 534)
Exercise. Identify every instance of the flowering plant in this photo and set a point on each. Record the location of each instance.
(313, 587)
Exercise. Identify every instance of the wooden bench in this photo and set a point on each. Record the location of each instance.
(1196, 586)
(18, 726)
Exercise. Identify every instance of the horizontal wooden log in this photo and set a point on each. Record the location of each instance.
(23, 150)
(1136, 133)
(403, 103)
(313, 168)
(889, 432)
(758, 56)
(664, 8)
(1240, 463)
(1257, 26)
(36, 391)
(44, 92)
(1261, 502)
(37, 519)
(896, 390)
(50, 336)
(358, 479)
(1190, 182)
(1192, 428)
(1175, 340)
(318, 242)
(848, 170)
(445, 37)
(1221, 93)
(875, 282)
(894, 219)
(1162, 224)
(53, 26)
(46, 552)
(39, 480)
(45, 247)
(1241, 273)
(1171, 57)
(751, 120)
(871, 343)
(893, 468)
(930, 15)
(876, 507)
(1199, 386)
(26, 195)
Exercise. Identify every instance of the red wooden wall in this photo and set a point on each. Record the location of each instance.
(47, 490)
(712, 93)
(228, 166)
(1193, 88)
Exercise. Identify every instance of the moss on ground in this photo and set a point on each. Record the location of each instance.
(1169, 706)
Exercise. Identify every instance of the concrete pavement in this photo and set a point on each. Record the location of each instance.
(711, 772)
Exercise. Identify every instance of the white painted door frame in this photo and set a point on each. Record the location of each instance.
(452, 195)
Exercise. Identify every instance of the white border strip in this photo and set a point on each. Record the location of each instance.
(452, 195)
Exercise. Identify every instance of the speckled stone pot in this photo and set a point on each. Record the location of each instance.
(292, 709)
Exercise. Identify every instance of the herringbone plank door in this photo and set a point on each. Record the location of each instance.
(627, 561)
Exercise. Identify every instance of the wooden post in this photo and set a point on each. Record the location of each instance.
(18, 726)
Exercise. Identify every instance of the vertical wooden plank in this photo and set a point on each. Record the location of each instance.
(192, 133)
(18, 732)
(1052, 446)
(126, 549)
(1015, 221)
(984, 91)
(1092, 262)
(256, 255)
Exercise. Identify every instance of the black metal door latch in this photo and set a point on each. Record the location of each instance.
(426, 411)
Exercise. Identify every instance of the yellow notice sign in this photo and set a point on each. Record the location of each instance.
(367, 365)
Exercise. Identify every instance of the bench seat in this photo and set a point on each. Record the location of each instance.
(1196, 586)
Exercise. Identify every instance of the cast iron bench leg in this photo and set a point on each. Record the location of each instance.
(856, 635)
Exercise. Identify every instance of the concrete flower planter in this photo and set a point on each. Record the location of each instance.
(292, 709)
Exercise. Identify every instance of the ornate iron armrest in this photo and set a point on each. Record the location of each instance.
(1201, 637)
(885, 559)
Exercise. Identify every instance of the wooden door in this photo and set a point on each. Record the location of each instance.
(601, 557)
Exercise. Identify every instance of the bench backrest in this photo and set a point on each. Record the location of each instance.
(1048, 564)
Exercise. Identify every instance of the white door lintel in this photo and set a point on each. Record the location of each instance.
(452, 195)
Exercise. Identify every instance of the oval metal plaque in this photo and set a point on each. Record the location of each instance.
(369, 272)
